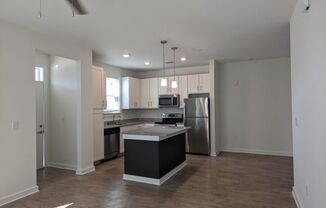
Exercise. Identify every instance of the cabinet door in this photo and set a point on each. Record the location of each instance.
(144, 91)
(204, 83)
(97, 79)
(134, 92)
(193, 83)
(98, 134)
(153, 93)
(104, 89)
(163, 90)
(183, 89)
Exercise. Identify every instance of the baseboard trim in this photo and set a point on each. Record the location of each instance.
(60, 166)
(260, 152)
(85, 170)
(296, 198)
(154, 181)
(18, 195)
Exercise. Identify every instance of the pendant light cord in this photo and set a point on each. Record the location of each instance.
(163, 60)
(174, 61)
(40, 12)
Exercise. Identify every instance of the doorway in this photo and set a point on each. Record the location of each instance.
(56, 88)
(40, 117)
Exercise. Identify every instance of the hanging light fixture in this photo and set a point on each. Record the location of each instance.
(174, 82)
(164, 81)
(40, 11)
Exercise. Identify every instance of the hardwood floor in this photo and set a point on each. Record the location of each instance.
(228, 181)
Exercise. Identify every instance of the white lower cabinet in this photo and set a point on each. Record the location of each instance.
(98, 134)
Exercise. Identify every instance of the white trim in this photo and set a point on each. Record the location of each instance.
(18, 195)
(213, 154)
(85, 170)
(296, 198)
(261, 152)
(155, 181)
(60, 166)
(139, 135)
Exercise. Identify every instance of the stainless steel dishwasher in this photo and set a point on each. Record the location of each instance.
(111, 142)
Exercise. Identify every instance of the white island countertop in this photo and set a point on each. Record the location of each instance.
(156, 133)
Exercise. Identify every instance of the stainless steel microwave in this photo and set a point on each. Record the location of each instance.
(169, 101)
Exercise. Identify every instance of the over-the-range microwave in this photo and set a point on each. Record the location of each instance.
(169, 101)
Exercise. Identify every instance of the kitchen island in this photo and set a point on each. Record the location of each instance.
(154, 154)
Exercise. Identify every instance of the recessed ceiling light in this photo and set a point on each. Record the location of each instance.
(126, 55)
(147, 63)
(183, 59)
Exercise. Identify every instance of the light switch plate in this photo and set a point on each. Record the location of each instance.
(15, 125)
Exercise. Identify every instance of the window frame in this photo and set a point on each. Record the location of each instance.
(118, 111)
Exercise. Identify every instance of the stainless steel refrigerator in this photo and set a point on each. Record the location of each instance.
(197, 117)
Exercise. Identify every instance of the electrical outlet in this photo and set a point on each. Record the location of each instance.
(307, 190)
(296, 122)
(15, 125)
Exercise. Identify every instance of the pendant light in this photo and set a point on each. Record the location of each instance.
(174, 84)
(164, 81)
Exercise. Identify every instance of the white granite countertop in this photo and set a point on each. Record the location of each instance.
(156, 133)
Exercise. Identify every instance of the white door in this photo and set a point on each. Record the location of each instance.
(40, 144)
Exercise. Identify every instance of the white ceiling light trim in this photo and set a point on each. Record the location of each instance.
(126, 55)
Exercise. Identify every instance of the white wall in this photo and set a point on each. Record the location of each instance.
(62, 113)
(255, 106)
(17, 103)
(308, 55)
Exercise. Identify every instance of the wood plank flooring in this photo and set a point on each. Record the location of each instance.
(228, 181)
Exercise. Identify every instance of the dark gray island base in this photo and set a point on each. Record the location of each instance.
(155, 154)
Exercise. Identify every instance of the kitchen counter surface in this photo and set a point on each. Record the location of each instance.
(129, 122)
(155, 133)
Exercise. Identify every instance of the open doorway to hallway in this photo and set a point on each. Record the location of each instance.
(56, 87)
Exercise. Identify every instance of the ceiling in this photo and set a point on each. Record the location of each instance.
(227, 30)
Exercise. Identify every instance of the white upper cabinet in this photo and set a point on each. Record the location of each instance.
(168, 89)
(204, 83)
(193, 83)
(99, 88)
(144, 89)
(149, 93)
(198, 83)
(183, 89)
(131, 93)
(153, 92)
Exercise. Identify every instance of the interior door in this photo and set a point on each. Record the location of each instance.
(40, 144)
